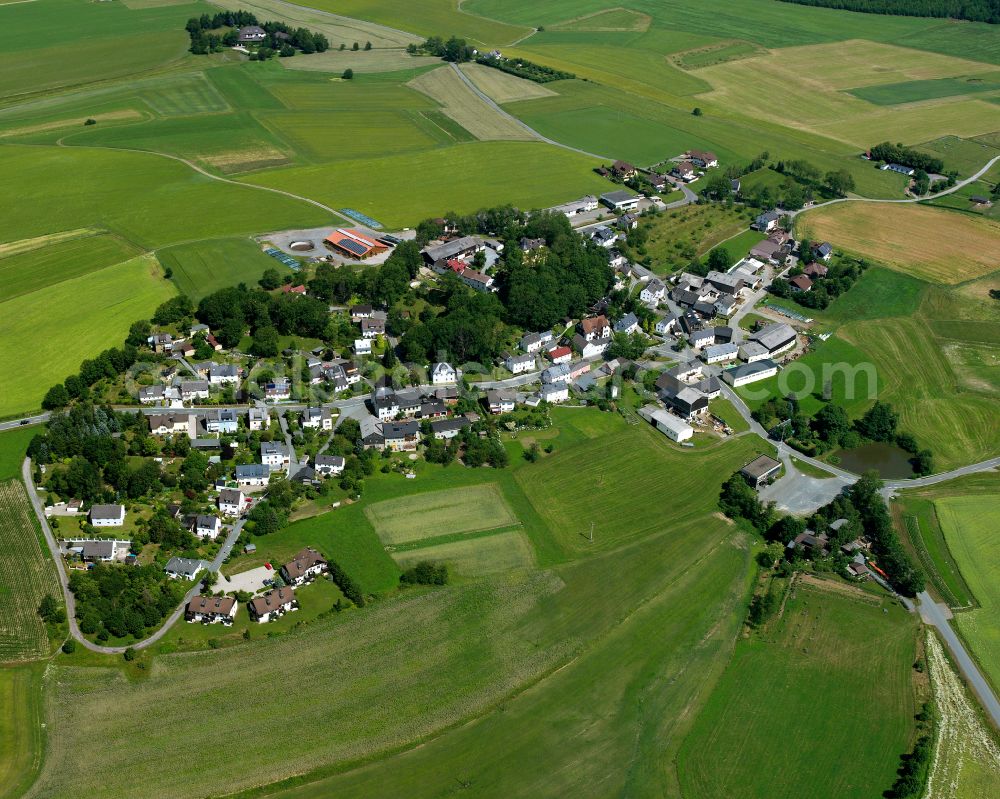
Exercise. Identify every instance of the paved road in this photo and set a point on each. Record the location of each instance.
(937, 616)
(70, 600)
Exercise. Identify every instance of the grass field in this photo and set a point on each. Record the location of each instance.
(25, 577)
(924, 242)
(13, 446)
(82, 316)
(970, 525)
(916, 90)
(502, 87)
(475, 556)
(202, 267)
(22, 742)
(827, 653)
(878, 294)
(437, 513)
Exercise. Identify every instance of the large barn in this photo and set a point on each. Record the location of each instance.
(353, 244)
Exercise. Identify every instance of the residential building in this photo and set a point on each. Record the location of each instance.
(304, 567)
(717, 353)
(725, 304)
(329, 464)
(107, 515)
(554, 392)
(815, 270)
(518, 364)
(499, 401)
(594, 327)
(362, 346)
(685, 171)
(750, 372)
(766, 222)
(557, 373)
(273, 455)
(100, 551)
(194, 389)
(627, 324)
(258, 418)
(448, 428)
(231, 501)
(402, 437)
(443, 374)
(623, 170)
(653, 292)
(591, 348)
(666, 324)
(768, 251)
(280, 389)
(207, 526)
(703, 158)
(222, 421)
(671, 426)
(149, 395)
(604, 236)
(220, 374)
(211, 609)
(621, 201)
(252, 475)
(385, 404)
(909, 171)
(560, 355)
(372, 328)
(317, 419)
(628, 222)
(184, 568)
(823, 251)
(272, 605)
(361, 311)
(462, 248)
(800, 283)
(251, 34)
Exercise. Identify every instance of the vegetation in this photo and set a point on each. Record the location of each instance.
(976, 10)
(897, 154)
(456, 510)
(425, 572)
(280, 37)
(523, 68)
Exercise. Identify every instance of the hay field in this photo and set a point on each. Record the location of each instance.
(502, 87)
(798, 681)
(201, 267)
(464, 106)
(614, 19)
(971, 526)
(438, 513)
(929, 243)
(474, 556)
(22, 740)
(25, 577)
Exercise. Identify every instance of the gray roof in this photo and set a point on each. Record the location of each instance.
(627, 321)
(98, 549)
(330, 460)
(445, 425)
(106, 511)
(186, 567)
(619, 196)
(760, 466)
(746, 369)
(207, 521)
(230, 495)
(252, 470)
(451, 248)
(774, 336)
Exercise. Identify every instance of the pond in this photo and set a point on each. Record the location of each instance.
(887, 459)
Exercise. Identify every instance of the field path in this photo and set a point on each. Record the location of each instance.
(74, 628)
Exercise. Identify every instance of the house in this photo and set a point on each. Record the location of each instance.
(443, 429)
(560, 355)
(101, 551)
(160, 342)
(760, 470)
(775, 338)
(518, 364)
(980, 200)
(705, 308)
(814, 544)
(751, 351)
(594, 327)
(858, 569)
(409, 403)
(221, 374)
(604, 236)
(462, 248)
(623, 170)
(273, 456)
(653, 292)
(304, 567)
(258, 418)
(317, 419)
(685, 171)
(767, 251)
(528, 245)
(558, 373)
(107, 515)
(354, 244)
(724, 281)
(272, 605)
(251, 34)
(360, 311)
(823, 251)
(621, 201)
(290, 289)
(578, 369)
(686, 389)
(372, 327)
(170, 424)
(362, 346)
(385, 403)
(666, 324)
(717, 353)
(701, 338)
(750, 372)
(207, 526)
(628, 222)
(194, 389)
(327, 465)
(499, 401)
(231, 502)
(815, 270)
(149, 395)
(252, 475)
(531, 342)
(591, 348)
(280, 389)
(627, 324)
(703, 158)
(211, 609)
(443, 374)
(735, 185)
(657, 181)
(434, 409)
(725, 304)
(222, 421)
(402, 437)
(554, 392)
(801, 283)
(766, 222)
(909, 171)
(673, 428)
(184, 568)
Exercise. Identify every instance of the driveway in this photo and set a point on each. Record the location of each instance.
(250, 581)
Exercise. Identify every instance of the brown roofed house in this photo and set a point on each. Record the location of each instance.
(801, 283)
(623, 169)
(303, 567)
(271, 605)
(211, 609)
(816, 270)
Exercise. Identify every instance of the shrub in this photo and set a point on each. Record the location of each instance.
(69, 647)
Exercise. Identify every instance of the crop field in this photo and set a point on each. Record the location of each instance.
(718, 53)
(13, 446)
(796, 682)
(474, 556)
(183, 95)
(925, 242)
(459, 510)
(464, 106)
(502, 87)
(614, 19)
(81, 316)
(25, 577)
(38, 268)
(527, 174)
(971, 526)
(22, 742)
(202, 267)
(913, 91)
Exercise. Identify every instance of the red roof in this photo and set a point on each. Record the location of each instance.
(559, 352)
(456, 266)
(293, 289)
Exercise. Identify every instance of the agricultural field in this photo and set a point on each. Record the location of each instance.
(22, 743)
(26, 576)
(205, 266)
(473, 556)
(502, 87)
(13, 446)
(913, 91)
(924, 242)
(794, 681)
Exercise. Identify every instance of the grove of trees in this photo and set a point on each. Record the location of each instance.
(974, 10)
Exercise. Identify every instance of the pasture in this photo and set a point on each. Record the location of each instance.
(879, 293)
(971, 526)
(13, 446)
(81, 316)
(26, 575)
(205, 266)
(502, 87)
(913, 91)
(440, 513)
(473, 556)
(826, 654)
(22, 740)
(928, 243)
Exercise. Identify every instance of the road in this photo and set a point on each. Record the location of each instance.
(74, 627)
(937, 616)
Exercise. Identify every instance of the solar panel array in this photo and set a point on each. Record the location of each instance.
(357, 216)
(353, 246)
(287, 260)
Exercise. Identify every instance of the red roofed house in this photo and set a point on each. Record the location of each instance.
(561, 355)
(353, 244)
(287, 289)
(801, 283)
(816, 270)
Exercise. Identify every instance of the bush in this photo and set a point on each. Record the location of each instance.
(129, 654)
(425, 572)
(69, 647)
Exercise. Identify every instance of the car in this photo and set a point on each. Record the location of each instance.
(25, 421)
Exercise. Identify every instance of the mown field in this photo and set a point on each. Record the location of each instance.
(206, 266)
(502, 87)
(22, 743)
(25, 577)
(830, 656)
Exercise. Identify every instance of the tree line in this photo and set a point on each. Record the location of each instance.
(525, 69)
(973, 10)
(282, 39)
(898, 154)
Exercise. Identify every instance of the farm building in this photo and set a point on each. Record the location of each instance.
(775, 338)
(353, 244)
(750, 373)
(760, 470)
(673, 428)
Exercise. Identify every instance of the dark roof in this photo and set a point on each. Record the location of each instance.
(760, 466)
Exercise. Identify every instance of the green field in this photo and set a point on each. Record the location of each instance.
(970, 525)
(798, 682)
(438, 513)
(13, 446)
(879, 293)
(202, 267)
(916, 90)
(22, 742)
(25, 577)
(473, 556)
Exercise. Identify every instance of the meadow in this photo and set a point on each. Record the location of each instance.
(13, 445)
(828, 657)
(473, 556)
(913, 91)
(202, 267)
(22, 741)
(502, 87)
(26, 576)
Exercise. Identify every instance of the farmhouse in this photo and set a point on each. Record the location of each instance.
(211, 609)
(207, 526)
(354, 244)
(725, 304)
(723, 281)
(775, 338)
(462, 248)
(750, 373)
(304, 567)
(620, 201)
(107, 515)
(231, 502)
(687, 390)
(272, 605)
(474, 279)
(184, 568)
(673, 428)
(329, 464)
(760, 470)
(909, 171)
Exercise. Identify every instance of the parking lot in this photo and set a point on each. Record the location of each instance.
(251, 581)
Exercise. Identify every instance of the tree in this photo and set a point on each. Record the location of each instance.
(50, 611)
(718, 260)
(923, 462)
(697, 111)
(265, 342)
(271, 279)
(831, 423)
(879, 422)
(368, 46)
(129, 654)
(355, 46)
(348, 74)
(839, 182)
(56, 397)
(69, 647)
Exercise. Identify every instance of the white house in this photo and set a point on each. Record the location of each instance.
(665, 324)
(499, 401)
(362, 346)
(304, 567)
(556, 374)
(766, 222)
(222, 421)
(194, 389)
(211, 609)
(207, 526)
(272, 455)
(275, 603)
(627, 324)
(107, 515)
(184, 568)
(231, 502)
(258, 418)
(621, 201)
(329, 464)
(149, 395)
(220, 374)
(518, 364)
(554, 392)
(717, 353)
(278, 390)
(653, 291)
(253, 475)
(560, 355)
(443, 374)
(317, 419)
(593, 347)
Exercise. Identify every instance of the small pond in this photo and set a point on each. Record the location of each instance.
(887, 459)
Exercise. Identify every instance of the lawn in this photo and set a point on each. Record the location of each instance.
(737, 247)
(675, 237)
(797, 683)
(928, 243)
(22, 741)
(971, 526)
(878, 294)
(723, 409)
(26, 575)
(437, 513)
(81, 316)
(201, 267)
